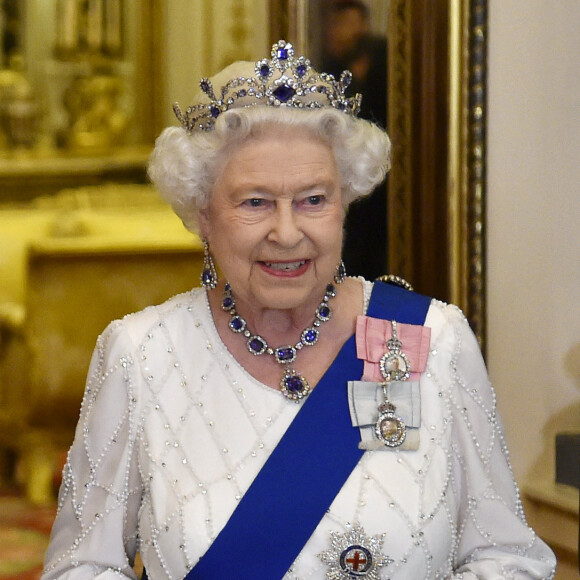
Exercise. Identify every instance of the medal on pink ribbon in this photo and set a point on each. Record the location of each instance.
(395, 366)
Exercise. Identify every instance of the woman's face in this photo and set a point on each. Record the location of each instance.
(274, 223)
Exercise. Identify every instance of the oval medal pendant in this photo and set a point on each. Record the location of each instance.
(395, 365)
(389, 428)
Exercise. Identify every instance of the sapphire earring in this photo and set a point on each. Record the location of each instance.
(209, 277)
(340, 274)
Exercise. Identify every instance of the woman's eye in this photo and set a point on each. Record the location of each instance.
(255, 202)
(315, 199)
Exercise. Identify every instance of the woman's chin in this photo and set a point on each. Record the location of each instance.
(286, 293)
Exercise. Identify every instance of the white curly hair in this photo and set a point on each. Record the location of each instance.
(185, 166)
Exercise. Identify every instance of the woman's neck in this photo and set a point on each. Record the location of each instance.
(279, 322)
(284, 327)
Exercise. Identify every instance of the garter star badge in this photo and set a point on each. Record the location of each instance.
(354, 555)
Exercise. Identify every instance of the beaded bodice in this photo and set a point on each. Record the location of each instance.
(173, 431)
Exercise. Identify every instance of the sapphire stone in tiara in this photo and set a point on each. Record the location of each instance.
(282, 80)
(284, 93)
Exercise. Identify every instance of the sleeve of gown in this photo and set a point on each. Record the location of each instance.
(494, 540)
(95, 531)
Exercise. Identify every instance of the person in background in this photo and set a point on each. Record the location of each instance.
(348, 43)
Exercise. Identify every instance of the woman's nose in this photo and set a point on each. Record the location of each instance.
(286, 230)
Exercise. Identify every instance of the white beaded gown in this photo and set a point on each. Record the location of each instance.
(173, 431)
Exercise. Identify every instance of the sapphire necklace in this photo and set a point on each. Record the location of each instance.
(293, 385)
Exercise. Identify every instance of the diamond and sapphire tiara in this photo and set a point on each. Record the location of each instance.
(281, 81)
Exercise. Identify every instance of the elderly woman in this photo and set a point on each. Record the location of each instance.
(286, 421)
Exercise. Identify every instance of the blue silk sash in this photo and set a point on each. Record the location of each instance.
(306, 470)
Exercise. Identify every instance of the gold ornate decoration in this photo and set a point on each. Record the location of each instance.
(477, 167)
(464, 194)
(397, 280)
(467, 161)
(92, 29)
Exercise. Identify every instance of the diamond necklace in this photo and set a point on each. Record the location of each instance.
(293, 385)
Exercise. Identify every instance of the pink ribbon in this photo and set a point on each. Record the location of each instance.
(371, 344)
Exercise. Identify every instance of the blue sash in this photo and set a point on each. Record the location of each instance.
(307, 469)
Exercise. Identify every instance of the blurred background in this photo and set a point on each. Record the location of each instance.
(482, 100)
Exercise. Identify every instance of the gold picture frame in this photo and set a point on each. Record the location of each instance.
(436, 119)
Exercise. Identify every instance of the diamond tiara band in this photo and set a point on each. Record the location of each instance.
(281, 81)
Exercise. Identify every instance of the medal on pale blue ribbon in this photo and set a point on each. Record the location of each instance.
(388, 414)
(395, 366)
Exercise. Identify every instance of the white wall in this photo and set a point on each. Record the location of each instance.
(534, 224)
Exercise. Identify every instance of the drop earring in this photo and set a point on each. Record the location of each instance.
(209, 277)
(340, 274)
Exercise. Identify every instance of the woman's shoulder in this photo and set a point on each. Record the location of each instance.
(449, 326)
(172, 312)
(442, 314)
(447, 322)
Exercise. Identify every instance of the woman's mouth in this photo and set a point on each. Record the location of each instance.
(286, 268)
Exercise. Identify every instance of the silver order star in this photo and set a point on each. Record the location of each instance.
(354, 537)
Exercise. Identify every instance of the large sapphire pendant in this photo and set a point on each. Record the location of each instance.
(294, 386)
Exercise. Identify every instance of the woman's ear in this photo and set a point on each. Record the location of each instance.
(204, 222)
